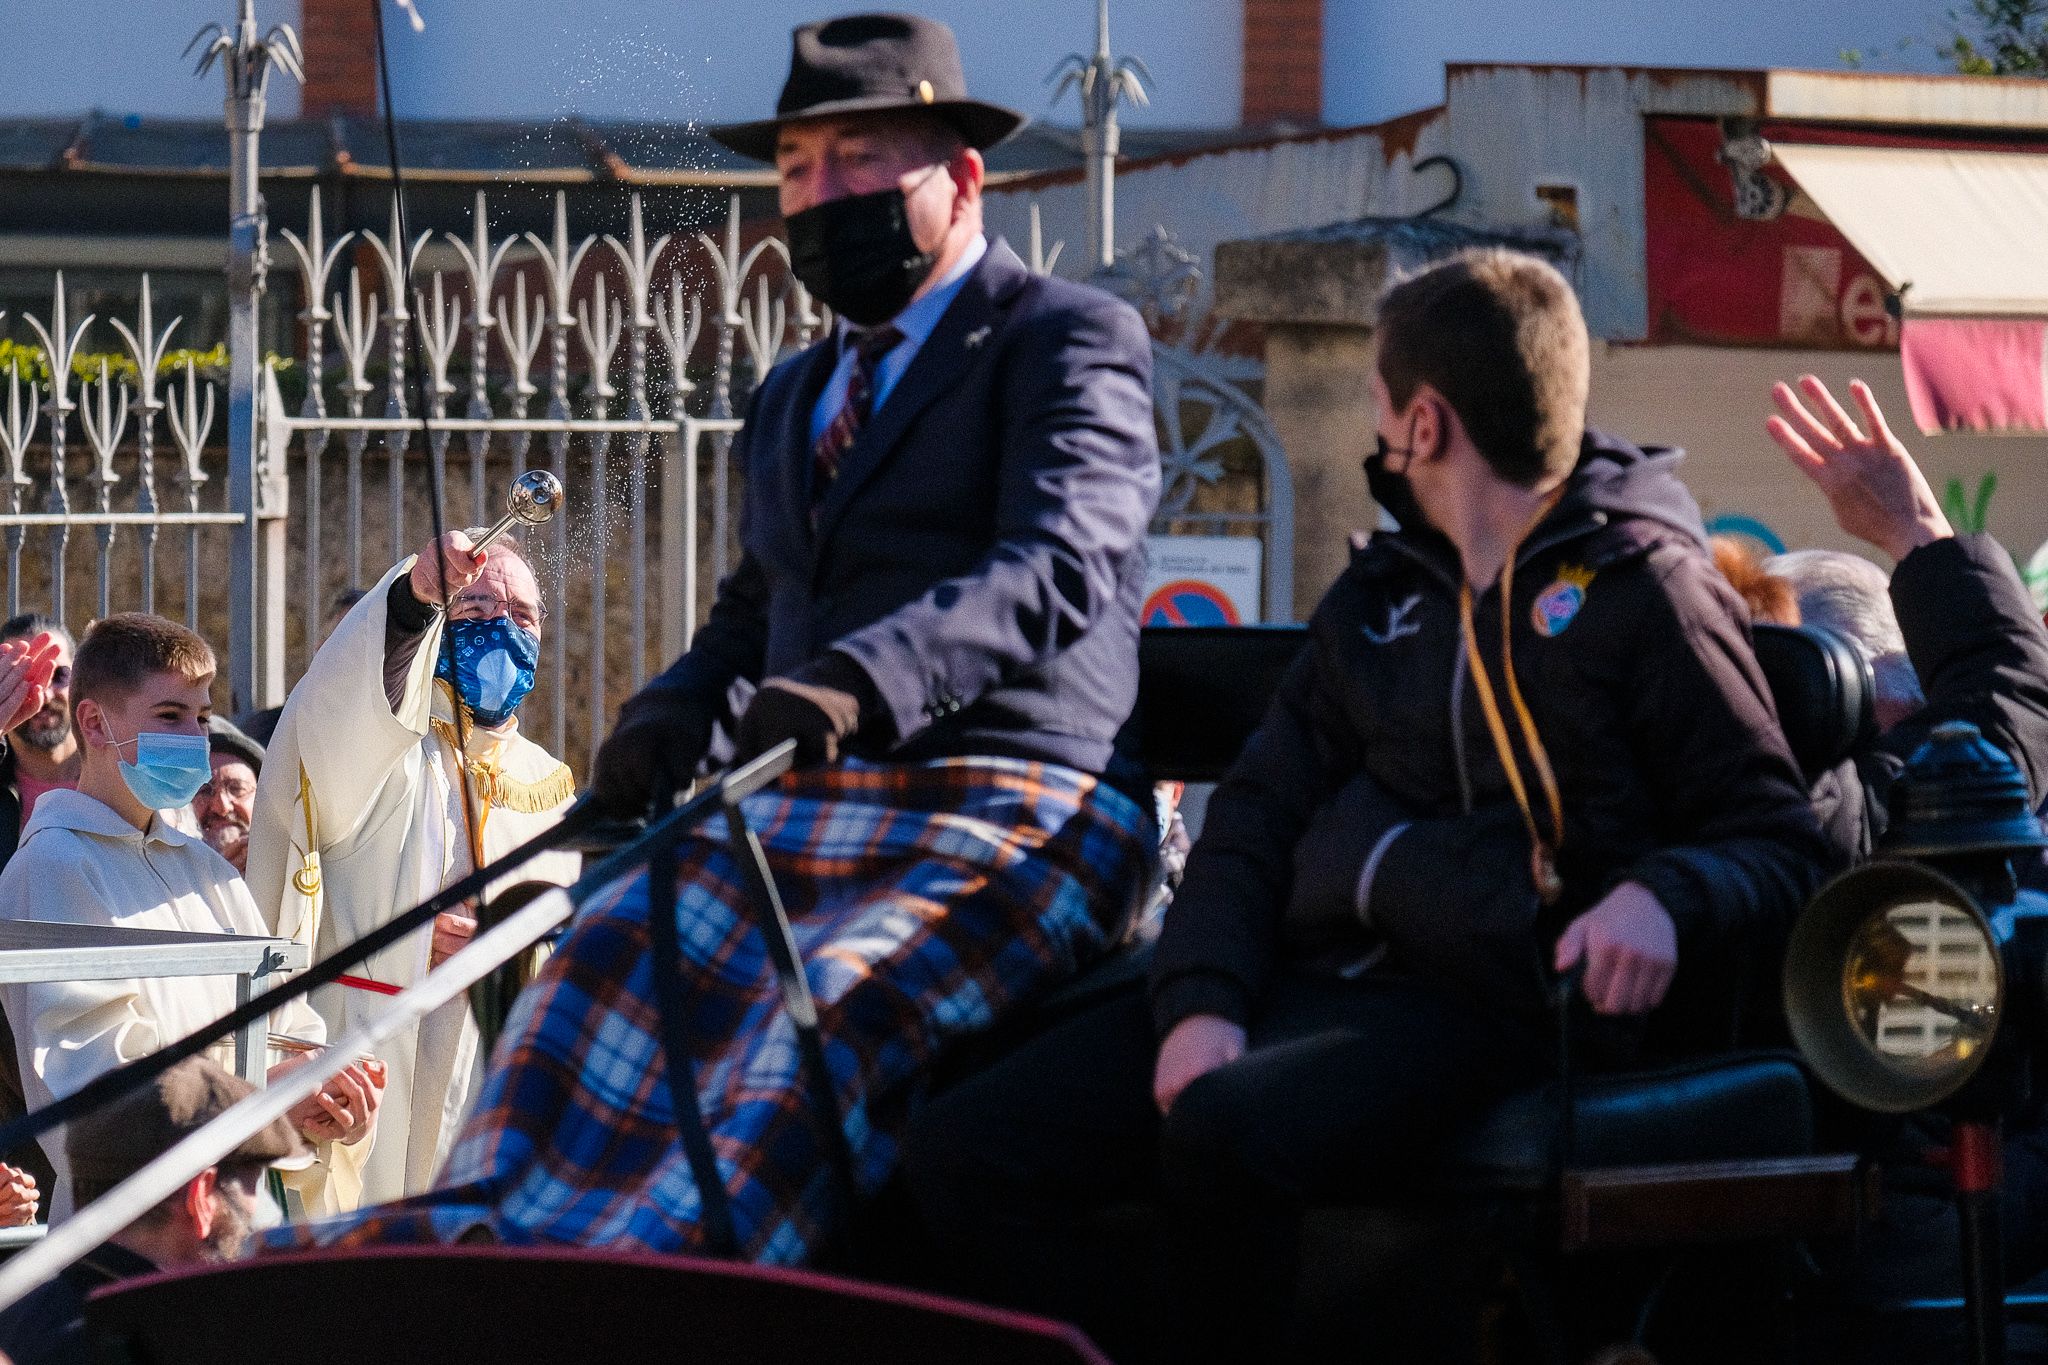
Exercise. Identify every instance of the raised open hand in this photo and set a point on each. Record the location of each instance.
(25, 669)
(1876, 491)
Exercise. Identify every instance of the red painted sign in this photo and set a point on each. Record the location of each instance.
(1718, 279)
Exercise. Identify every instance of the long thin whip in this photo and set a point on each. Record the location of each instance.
(436, 476)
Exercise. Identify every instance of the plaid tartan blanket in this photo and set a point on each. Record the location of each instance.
(928, 899)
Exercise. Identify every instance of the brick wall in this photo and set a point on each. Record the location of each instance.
(1283, 61)
(340, 38)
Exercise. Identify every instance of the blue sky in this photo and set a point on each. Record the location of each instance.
(714, 59)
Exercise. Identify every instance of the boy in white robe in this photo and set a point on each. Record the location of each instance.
(360, 814)
(107, 854)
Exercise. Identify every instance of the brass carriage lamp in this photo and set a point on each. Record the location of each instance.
(1920, 979)
(1916, 979)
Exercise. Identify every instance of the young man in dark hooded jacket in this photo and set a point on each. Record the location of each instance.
(1527, 735)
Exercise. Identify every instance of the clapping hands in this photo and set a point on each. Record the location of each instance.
(25, 669)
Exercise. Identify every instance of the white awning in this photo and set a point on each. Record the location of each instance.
(1959, 234)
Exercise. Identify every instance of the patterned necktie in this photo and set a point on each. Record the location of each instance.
(869, 347)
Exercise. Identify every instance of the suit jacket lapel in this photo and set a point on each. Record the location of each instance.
(932, 371)
(794, 460)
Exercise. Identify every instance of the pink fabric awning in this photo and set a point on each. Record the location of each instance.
(1976, 374)
(1957, 235)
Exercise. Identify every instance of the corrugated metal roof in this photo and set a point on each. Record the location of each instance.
(554, 150)
(492, 147)
(35, 142)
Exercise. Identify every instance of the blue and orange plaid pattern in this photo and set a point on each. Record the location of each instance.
(928, 900)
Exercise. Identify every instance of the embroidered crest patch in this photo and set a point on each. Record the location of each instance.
(1557, 605)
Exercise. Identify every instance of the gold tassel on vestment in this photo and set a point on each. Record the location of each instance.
(500, 792)
(492, 786)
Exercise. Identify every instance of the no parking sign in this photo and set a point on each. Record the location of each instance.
(1202, 581)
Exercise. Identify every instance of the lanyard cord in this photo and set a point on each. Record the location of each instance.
(1542, 852)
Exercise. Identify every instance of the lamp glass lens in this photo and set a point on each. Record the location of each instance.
(1920, 982)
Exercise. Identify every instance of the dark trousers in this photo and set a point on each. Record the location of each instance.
(1345, 1093)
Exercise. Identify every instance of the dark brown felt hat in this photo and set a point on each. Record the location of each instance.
(114, 1142)
(865, 63)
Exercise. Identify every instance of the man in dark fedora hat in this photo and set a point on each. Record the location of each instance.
(937, 598)
(947, 496)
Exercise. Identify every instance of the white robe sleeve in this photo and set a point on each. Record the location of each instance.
(69, 1032)
(338, 742)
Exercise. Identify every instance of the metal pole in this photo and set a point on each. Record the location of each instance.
(250, 1052)
(245, 246)
(255, 489)
(1098, 146)
(1974, 1161)
(1103, 82)
(1100, 137)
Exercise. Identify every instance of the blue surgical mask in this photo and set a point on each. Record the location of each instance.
(492, 666)
(168, 770)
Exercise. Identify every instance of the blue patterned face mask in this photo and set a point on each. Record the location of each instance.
(493, 666)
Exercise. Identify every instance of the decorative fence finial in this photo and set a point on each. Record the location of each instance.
(1104, 82)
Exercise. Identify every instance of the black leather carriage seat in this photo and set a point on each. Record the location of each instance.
(513, 1302)
(1737, 1107)
(1202, 690)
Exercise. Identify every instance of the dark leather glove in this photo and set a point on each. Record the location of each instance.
(821, 706)
(658, 740)
(818, 718)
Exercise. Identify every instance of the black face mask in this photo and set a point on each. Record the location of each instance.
(857, 255)
(1391, 490)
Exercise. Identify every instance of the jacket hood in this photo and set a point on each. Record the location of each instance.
(1617, 479)
(1614, 481)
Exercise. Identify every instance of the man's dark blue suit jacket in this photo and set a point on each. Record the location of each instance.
(981, 553)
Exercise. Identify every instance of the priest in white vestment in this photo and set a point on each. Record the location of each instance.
(360, 815)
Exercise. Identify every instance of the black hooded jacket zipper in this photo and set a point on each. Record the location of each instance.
(1527, 553)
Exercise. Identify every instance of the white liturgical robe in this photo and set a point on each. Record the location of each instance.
(80, 862)
(359, 817)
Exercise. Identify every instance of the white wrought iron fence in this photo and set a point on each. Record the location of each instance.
(117, 394)
(628, 435)
(617, 361)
